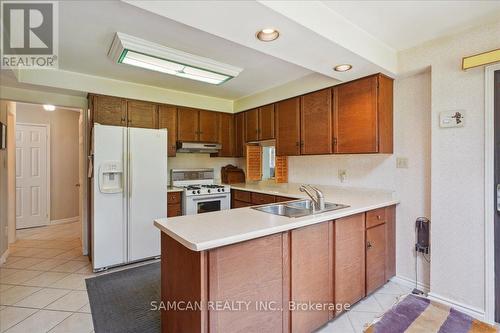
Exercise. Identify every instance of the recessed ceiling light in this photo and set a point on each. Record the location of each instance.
(267, 34)
(138, 52)
(49, 107)
(342, 68)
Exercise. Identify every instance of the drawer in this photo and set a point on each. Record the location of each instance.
(173, 197)
(240, 204)
(260, 199)
(282, 199)
(242, 196)
(375, 217)
(174, 210)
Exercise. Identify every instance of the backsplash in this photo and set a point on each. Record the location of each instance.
(193, 160)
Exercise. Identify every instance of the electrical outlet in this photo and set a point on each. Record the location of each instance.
(402, 163)
(342, 175)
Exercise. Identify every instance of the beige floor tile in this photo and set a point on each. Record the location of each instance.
(76, 323)
(4, 287)
(4, 272)
(391, 288)
(72, 281)
(48, 264)
(73, 301)
(42, 298)
(368, 304)
(360, 320)
(85, 270)
(25, 263)
(69, 267)
(20, 277)
(15, 294)
(41, 322)
(45, 279)
(69, 254)
(10, 260)
(340, 324)
(386, 300)
(25, 252)
(10, 316)
(85, 309)
(48, 253)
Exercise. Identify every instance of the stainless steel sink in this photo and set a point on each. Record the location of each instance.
(298, 208)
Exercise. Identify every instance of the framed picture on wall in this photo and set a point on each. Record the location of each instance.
(3, 136)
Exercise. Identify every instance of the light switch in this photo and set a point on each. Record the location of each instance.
(342, 175)
(453, 118)
(402, 163)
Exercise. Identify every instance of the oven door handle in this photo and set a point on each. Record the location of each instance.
(209, 198)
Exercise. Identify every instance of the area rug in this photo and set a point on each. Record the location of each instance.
(121, 302)
(414, 314)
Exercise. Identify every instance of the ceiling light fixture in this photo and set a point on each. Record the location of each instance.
(134, 51)
(342, 68)
(49, 107)
(267, 34)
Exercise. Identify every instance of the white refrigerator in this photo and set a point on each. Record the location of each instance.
(129, 190)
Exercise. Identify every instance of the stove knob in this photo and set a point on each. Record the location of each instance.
(208, 191)
(194, 192)
(198, 191)
(218, 190)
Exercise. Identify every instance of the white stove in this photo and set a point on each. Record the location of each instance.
(201, 194)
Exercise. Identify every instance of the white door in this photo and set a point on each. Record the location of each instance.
(147, 190)
(32, 195)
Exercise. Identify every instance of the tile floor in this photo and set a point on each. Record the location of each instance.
(42, 287)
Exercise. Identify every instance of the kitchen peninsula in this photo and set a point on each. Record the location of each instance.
(274, 265)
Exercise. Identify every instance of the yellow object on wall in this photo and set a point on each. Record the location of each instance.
(481, 59)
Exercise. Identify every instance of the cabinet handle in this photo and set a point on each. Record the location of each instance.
(334, 141)
(379, 217)
(302, 143)
(369, 245)
(297, 144)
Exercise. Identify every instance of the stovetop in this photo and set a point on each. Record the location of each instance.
(205, 189)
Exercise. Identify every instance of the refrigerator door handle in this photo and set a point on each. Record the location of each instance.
(130, 175)
(498, 197)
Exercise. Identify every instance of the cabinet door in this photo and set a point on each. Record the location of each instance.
(110, 110)
(167, 118)
(209, 126)
(187, 124)
(355, 116)
(226, 134)
(142, 114)
(288, 127)
(349, 259)
(390, 242)
(266, 122)
(316, 122)
(375, 258)
(311, 266)
(239, 134)
(252, 125)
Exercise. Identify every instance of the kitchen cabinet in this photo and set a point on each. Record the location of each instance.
(390, 242)
(316, 123)
(174, 204)
(283, 199)
(240, 204)
(167, 118)
(311, 273)
(375, 258)
(195, 125)
(239, 134)
(259, 123)
(108, 110)
(363, 116)
(142, 114)
(349, 259)
(262, 199)
(226, 135)
(287, 125)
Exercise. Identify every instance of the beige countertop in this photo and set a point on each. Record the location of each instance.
(211, 230)
(174, 189)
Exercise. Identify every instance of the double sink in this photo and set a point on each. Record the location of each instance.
(299, 208)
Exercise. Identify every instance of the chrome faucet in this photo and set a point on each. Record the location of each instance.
(317, 198)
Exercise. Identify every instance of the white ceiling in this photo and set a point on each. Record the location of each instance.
(405, 24)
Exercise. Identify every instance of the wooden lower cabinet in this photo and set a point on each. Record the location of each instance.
(311, 267)
(349, 252)
(240, 204)
(375, 258)
(390, 242)
(174, 204)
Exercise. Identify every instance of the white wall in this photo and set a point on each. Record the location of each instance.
(188, 160)
(457, 167)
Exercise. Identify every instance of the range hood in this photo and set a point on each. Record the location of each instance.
(198, 147)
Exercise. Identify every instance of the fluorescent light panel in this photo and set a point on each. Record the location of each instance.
(137, 52)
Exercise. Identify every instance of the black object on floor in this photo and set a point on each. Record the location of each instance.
(121, 301)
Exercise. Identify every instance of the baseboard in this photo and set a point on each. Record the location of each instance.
(471, 311)
(4, 256)
(411, 283)
(66, 220)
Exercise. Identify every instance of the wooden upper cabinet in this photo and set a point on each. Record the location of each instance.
(187, 124)
(363, 116)
(266, 122)
(167, 118)
(208, 126)
(142, 114)
(108, 110)
(226, 135)
(316, 122)
(239, 134)
(375, 258)
(287, 124)
(252, 125)
(349, 252)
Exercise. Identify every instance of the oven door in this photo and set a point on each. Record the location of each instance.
(206, 203)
